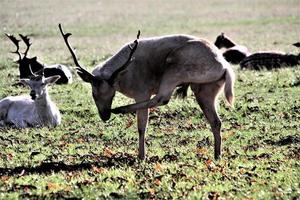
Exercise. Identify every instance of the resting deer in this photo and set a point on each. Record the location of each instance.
(35, 111)
(233, 53)
(270, 60)
(160, 64)
(24, 63)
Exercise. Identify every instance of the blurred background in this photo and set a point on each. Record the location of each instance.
(99, 28)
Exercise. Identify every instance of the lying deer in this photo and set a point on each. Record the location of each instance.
(233, 53)
(160, 64)
(270, 60)
(35, 111)
(24, 63)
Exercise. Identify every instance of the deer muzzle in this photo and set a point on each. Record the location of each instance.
(105, 114)
(33, 94)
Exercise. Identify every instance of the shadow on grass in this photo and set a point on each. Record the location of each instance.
(116, 160)
(290, 139)
(49, 167)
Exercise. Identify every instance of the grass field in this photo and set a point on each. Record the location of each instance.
(86, 158)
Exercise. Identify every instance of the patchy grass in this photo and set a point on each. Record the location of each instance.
(86, 158)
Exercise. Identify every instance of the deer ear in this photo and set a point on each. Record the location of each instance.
(24, 81)
(51, 79)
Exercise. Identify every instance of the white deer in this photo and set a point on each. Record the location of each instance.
(35, 111)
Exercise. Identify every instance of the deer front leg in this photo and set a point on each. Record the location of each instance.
(142, 122)
(206, 97)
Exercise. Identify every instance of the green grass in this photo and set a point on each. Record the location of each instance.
(86, 158)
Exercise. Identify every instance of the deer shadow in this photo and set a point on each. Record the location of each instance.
(116, 160)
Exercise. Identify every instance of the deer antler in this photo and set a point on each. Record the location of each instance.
(16, 42)
(26, 40)
(40, 72)
(84, 74)
(30, 70)
(128, 61)
(36, 75)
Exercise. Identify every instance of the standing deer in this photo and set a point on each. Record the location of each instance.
(35, 111)
(27, 64)
(160, 64)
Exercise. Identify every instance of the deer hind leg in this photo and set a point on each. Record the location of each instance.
(206, 95)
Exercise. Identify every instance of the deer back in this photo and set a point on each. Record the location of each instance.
(150, 55)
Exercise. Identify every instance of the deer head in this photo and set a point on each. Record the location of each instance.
(224, 41)
(24, 62)
(102, 89)
(38, 83)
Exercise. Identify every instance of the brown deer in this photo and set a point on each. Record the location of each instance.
(159, 65)
(27, 64)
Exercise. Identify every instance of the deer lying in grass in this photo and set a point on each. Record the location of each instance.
(160, 65)
(50, 70)
(270, 60)
(233, 53)
(37, 111)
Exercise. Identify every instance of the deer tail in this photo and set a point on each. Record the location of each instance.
(229, 83)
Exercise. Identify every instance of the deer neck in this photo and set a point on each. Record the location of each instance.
(43, 101)
(43, 107)
(112, 64)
